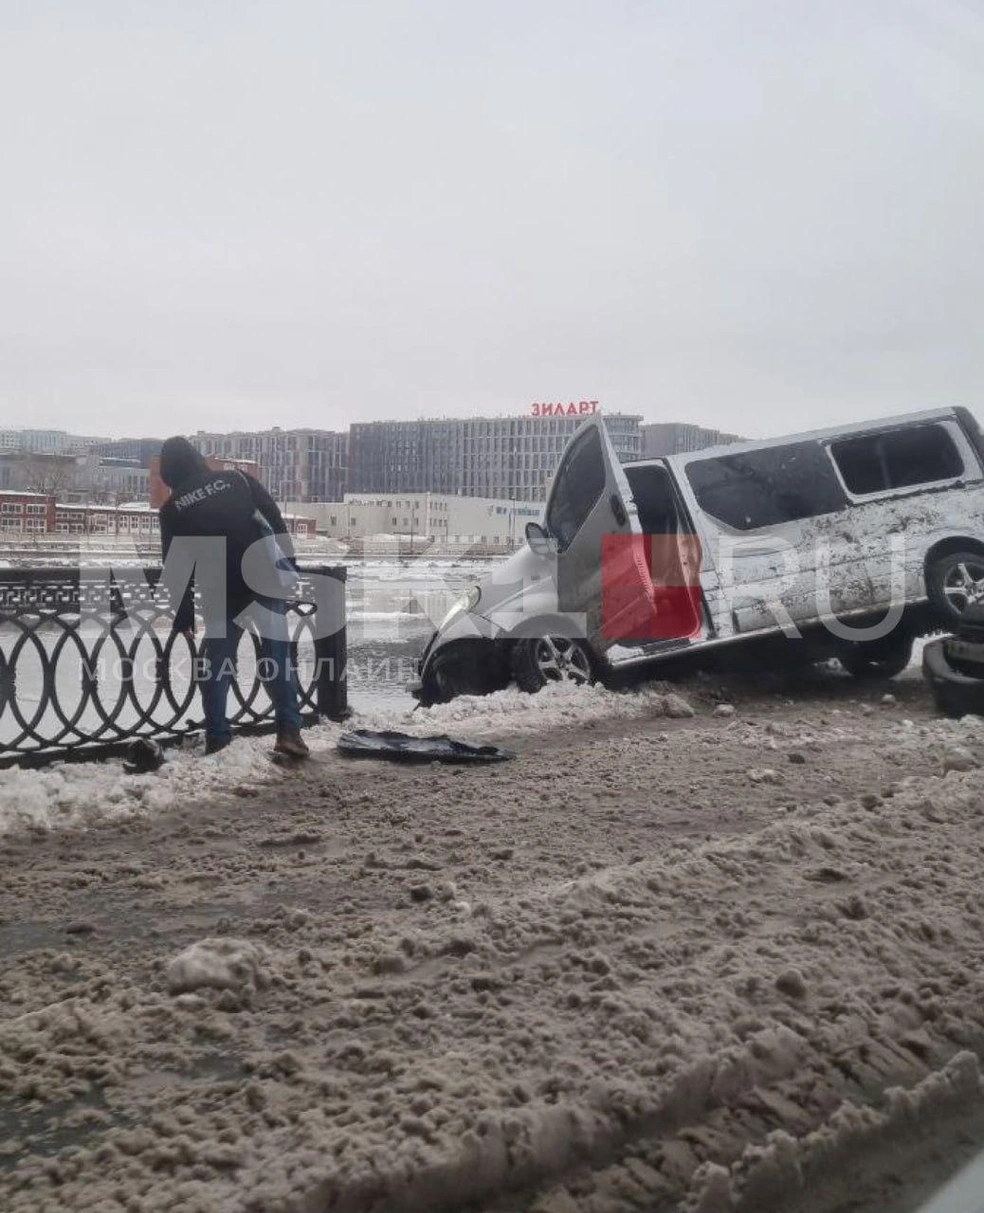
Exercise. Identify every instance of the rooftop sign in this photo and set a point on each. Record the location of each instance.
(581, 409)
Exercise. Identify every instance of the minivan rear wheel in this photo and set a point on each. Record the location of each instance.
(543, 659)
(954, 582)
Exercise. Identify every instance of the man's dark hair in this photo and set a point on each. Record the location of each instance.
(180, 461)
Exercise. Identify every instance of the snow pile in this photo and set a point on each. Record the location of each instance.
(512, 711)
(219, 964)
(784, 1172)
(77, 794)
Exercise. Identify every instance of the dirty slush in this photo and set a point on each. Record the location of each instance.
(721, 953)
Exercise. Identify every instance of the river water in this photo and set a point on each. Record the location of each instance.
(392, 610)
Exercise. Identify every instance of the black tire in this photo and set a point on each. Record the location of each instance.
(954, 693)
(961, 663)
(453, 676)
(542, 659)
(951, 585)
(883, 658)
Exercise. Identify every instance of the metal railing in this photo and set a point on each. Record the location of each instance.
(88, 662)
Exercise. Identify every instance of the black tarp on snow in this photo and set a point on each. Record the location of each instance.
(401, 747)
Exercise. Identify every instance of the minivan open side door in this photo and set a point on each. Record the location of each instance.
(592, 520)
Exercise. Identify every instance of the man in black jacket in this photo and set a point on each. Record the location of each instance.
(219, 507)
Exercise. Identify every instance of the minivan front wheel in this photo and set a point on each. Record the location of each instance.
(953, 583)
(465, 667)
(543, 659)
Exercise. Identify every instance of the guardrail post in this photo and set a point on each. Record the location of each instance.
(331, 643)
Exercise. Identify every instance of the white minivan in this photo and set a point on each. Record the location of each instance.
(844, 543)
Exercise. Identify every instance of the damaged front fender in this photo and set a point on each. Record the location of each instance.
(467, 666)
(464, 658)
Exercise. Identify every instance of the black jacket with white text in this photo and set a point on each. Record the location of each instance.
(219, 505)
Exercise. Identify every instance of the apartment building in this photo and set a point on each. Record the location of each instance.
(678, 437)
(46, 442)
(79, 477)
(511, 458)
(136, 450)
(295, 465)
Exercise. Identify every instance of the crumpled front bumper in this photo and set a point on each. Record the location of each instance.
(468, 628)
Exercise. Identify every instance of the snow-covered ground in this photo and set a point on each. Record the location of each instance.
(71, 794)
(77, 794)
(723, 963)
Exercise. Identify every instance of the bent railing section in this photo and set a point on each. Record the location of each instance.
(88, 662)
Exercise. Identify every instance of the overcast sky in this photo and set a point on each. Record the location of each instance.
(760, 216)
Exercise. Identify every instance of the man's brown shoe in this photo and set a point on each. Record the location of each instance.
(291, 743)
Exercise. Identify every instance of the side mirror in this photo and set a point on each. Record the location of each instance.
(540, 542)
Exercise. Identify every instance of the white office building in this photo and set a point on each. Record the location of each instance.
(424, 519)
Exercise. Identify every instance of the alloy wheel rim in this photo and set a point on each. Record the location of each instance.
(964, 585)
(562, 660)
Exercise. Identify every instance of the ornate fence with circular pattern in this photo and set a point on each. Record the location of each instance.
(88, 661)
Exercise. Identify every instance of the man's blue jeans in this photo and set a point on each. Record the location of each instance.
(218, 670)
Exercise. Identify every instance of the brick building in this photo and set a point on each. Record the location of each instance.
(26, 514)
(35, 514)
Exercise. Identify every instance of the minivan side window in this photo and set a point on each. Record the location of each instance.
(898, 459)
(767, 487)
(580, 482)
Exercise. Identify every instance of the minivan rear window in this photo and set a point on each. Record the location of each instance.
(767, 487)
(897, 459)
